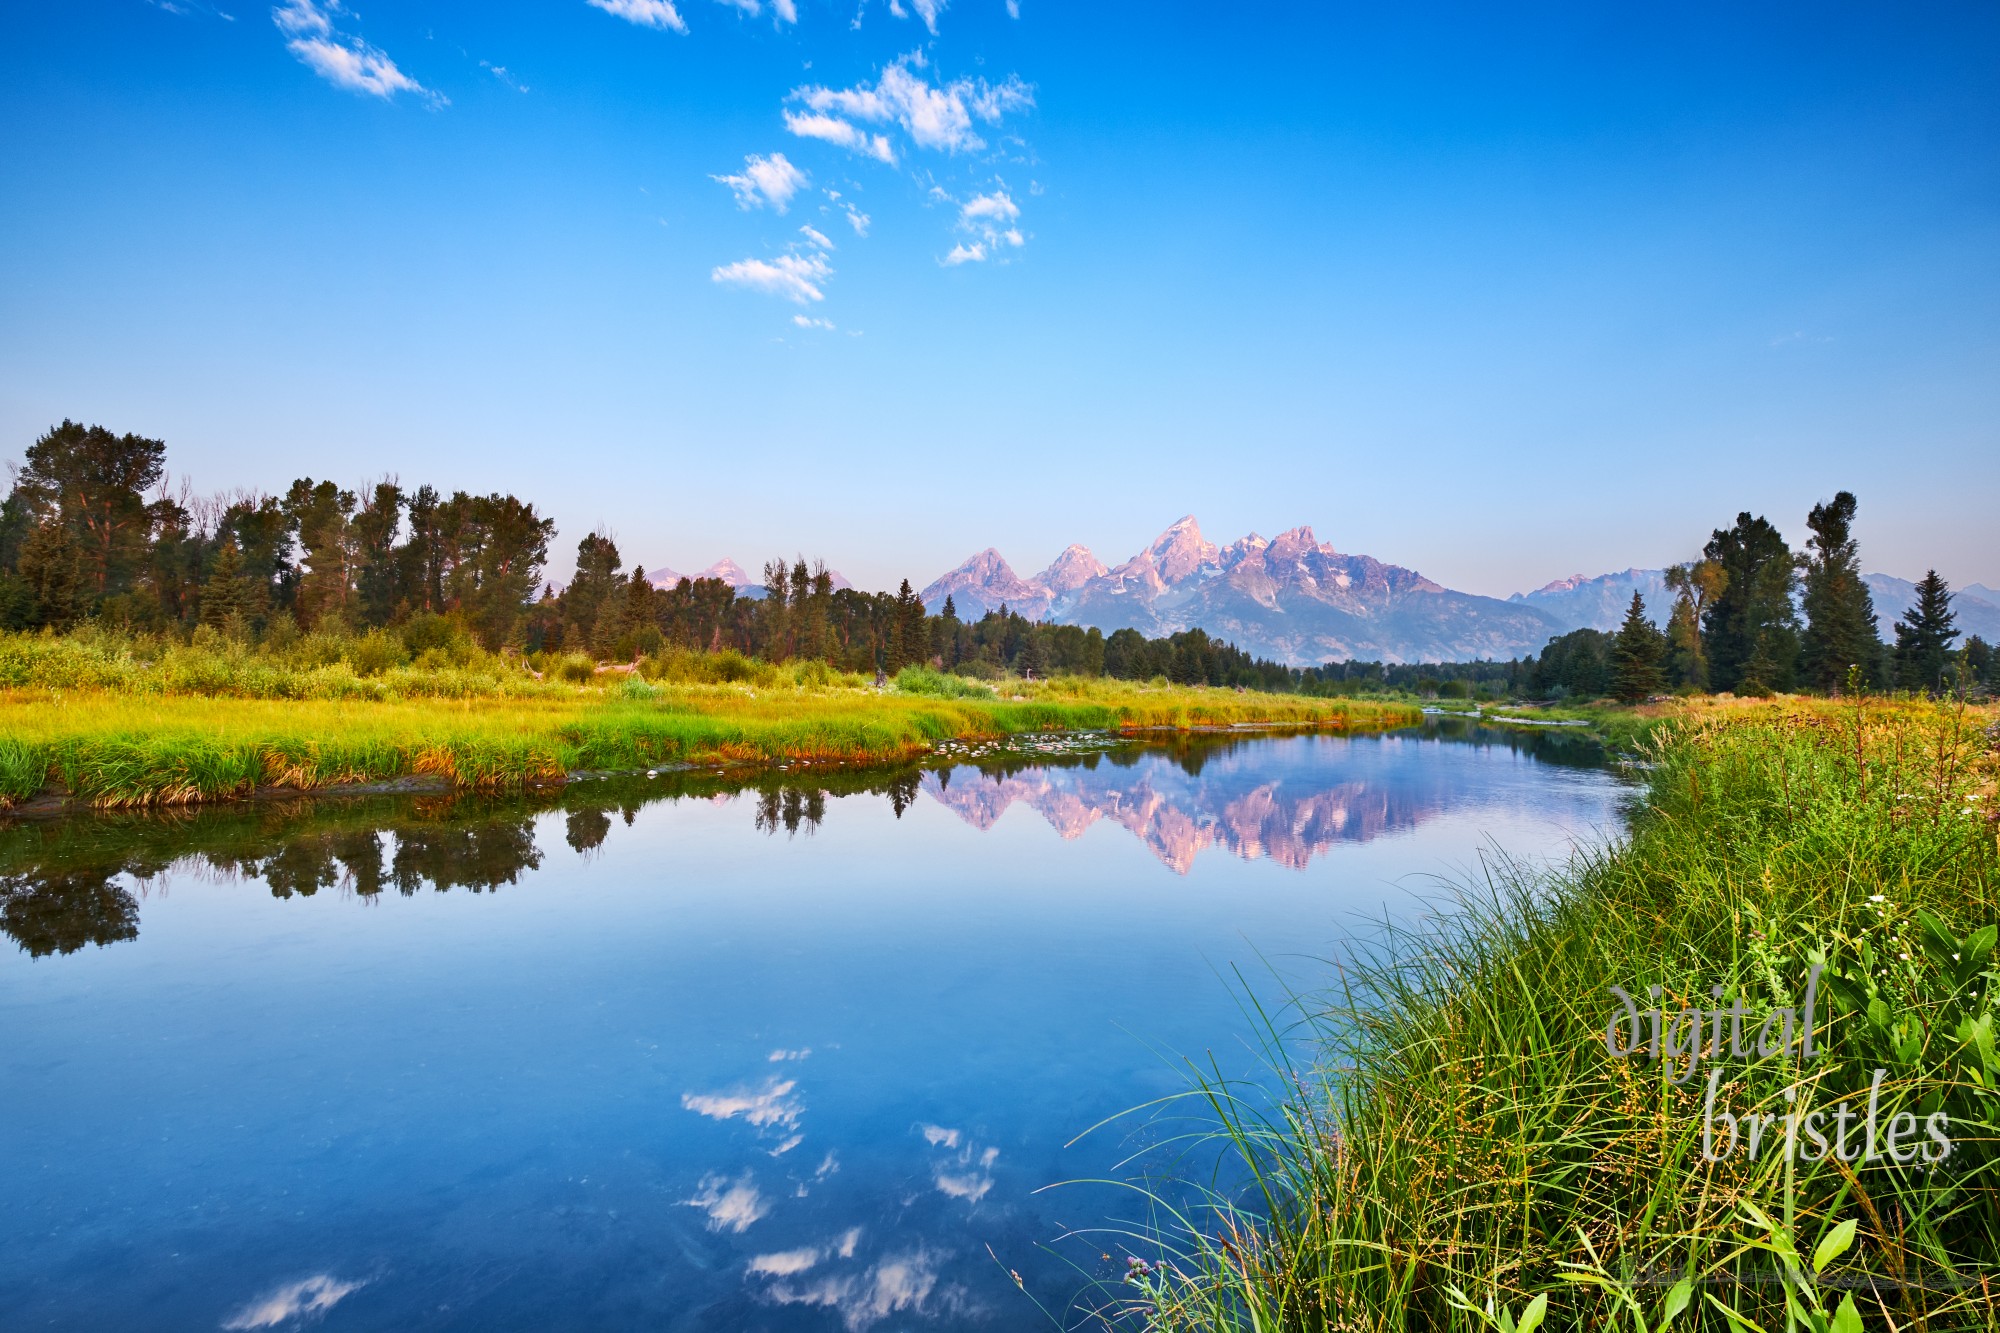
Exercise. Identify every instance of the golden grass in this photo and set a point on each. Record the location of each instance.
(115, 747)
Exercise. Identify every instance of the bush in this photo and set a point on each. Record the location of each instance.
(376, 652)
(936, 684)
(576, 668)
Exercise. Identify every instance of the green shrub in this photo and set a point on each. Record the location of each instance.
(938, 685)
(576, 668)
(376, 652)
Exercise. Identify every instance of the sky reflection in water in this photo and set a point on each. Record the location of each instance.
(672, 1053)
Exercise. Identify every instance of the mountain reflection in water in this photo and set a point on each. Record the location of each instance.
(72, 881)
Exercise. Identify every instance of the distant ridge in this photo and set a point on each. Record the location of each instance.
(1290, 598)
(730, 573)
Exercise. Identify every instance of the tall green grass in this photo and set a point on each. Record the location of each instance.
(99, 720)
(1449, 1135)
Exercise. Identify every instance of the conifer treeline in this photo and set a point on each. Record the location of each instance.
(1753, 617)
(87, 534)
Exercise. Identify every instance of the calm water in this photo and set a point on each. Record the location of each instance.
(670, 1054)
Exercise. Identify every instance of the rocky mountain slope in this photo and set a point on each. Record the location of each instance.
(1290, 598)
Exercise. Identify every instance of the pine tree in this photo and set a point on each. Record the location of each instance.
(1978, 658)
(1840, 628)
(916, 626)
(52, 567)
(1924, 635)
(1029, 661)
(1636, 654)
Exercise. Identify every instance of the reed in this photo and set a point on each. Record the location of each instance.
(1444, 1140)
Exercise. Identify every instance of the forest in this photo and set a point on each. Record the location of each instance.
(91, 535)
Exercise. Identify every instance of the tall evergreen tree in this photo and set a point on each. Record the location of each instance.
(232, 598)
(1635, 655)
(1751, 629)
(913, 625)
(1924, 636)
(598, 574)
(1841, 629)
(1978, 658)
(54, 571)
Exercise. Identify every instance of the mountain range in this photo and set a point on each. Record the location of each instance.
(1297, 600)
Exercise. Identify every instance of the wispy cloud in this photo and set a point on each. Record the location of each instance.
(784, 11)
(790, 1263)
(295, 1300)
(501, 73)
(937, 116)
(816, 236)
(645, 13)
(794, 277)
(342, 59)
(904, 1282)
(730, 1205)
(812, 125)
(808, 322)
(858, 220)
(189, 8)
(765, 180)
(990, 219)
(928, 11)
(770, 1105)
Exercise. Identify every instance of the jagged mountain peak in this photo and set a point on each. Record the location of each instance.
(1075, 567)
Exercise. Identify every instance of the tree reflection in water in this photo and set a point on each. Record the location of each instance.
(59, 877)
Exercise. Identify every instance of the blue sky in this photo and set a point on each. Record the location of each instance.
(1502, 296)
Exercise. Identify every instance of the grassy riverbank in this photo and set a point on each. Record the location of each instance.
(1456, 1132)
(111, 729)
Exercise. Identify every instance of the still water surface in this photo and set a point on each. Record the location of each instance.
(677, 1054)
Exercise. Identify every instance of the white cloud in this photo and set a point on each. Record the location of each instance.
(935, 116)
(995, 208)
(811, 125)
(790, 1263)
(786, 10)
(771, 180)
(730, 1205)
(858, 220)
(645, 13)
(501, 73)
(1013, 9)
(771, 1105)
(972, 1186)
(794, 277)
(296, 1300)
(990, 219)
(893, 1285)
(928, 10)
(816, 236)
(358, 68)
(303, 18)
(342, 60)
(808, 322)
(939, 1136)
(785, 1263)
(782, 1054)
